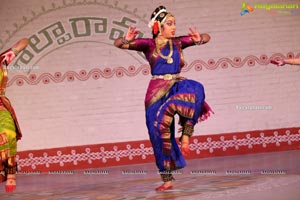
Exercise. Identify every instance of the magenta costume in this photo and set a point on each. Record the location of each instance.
(169, 94)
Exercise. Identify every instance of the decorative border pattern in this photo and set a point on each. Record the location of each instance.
(132, 71)
(236, 62)
(83, 75)
(124, 153)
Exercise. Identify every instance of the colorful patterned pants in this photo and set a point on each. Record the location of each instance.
(8, 141)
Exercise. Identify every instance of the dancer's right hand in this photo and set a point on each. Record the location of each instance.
(131, 34)
(21, 44)
(278, 62)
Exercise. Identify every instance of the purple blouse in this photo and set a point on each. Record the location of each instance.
(159, 65)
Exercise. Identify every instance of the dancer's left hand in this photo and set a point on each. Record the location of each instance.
(194, 34)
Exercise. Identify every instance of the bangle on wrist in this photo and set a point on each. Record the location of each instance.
(124, 41)
(16, 52)
(199, 42)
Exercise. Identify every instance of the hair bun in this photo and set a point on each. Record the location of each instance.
(159, 13)
(157, 10)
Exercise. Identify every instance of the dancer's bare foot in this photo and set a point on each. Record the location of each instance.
(10, 183)
(185, 149)
(166, 186)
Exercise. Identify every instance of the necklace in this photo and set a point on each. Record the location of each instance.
(168, 57)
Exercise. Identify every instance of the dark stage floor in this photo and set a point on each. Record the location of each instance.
(263, 176)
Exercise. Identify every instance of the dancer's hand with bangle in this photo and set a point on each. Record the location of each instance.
(131, 34)
(7, 56)
(123, 42)
(20, 45)
(198, 38)
(290, 61)
(280, 62)
(195, 35)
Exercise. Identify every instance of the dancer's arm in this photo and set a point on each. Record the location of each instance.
(124, 42)
(194, 38)
(290, 61)
(19, 46)
(7, 56)
(198, 38)
(132, 43)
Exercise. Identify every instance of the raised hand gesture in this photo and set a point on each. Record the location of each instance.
(195, 35)
(131, 34)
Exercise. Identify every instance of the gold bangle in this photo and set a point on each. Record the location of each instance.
(124, 41)
(16, 52)
(199, 42)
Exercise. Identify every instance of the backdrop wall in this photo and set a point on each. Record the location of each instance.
(75, 88)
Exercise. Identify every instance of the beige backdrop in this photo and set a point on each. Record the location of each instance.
(80, 89)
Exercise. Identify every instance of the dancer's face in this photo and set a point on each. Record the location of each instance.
(169, 28)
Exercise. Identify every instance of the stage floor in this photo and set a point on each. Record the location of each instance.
(273, 176)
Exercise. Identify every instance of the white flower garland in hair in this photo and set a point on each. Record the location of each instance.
(151, 22)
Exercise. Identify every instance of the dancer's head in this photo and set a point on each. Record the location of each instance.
(162, 23)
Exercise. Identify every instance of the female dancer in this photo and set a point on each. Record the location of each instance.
(9, 127)
(168, 92)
